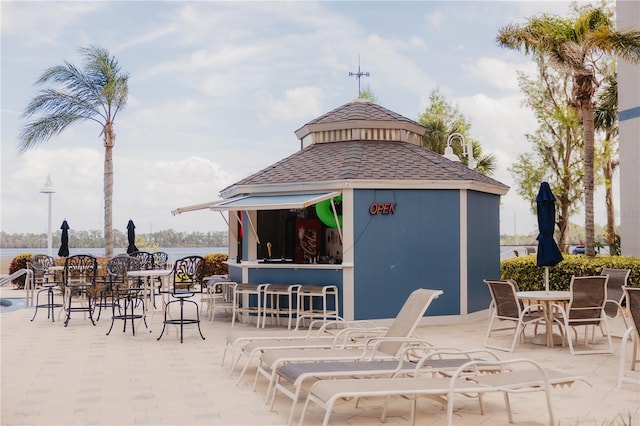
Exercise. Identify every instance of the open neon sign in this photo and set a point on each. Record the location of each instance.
(382, 208)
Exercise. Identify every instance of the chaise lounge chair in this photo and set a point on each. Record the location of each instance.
(325, 393)
(332, 333)
(437, 360)
(631, 375)
(402, 328)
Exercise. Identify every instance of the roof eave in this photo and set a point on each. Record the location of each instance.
(337, 185)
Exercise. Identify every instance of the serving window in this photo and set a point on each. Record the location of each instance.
(297, 236)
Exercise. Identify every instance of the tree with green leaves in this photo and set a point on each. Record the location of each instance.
(577, 45)
(555, 155)
(95, 93)
(442, 120)
(368, 94)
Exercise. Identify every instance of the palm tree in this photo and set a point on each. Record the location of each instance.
(576, 46)
(96, 93)
(442, 120)
(606, 120)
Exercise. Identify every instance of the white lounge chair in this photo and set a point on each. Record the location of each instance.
(329, 334)
(631, 375)
(438, 360)
(402, 327)
(325, 393)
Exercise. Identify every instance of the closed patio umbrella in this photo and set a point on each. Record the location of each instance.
(548, 251)
(131, 237)
(64, 240)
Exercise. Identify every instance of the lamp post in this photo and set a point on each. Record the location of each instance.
(467, 149)
(48, 189)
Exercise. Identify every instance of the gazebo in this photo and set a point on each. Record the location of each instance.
(363, 206)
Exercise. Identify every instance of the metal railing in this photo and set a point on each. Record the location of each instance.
(28, 283)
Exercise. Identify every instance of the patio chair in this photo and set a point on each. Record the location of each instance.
(618, 278)
(145, 258)
(505, 306)
(586, 308)
(126, 293)
(438, 360)
(631, 375)
(147, 261)
(40, 264)
(325, 393)
(117, 268)
(80, 272)
(188, 274)
(402, 327)
(160, 259)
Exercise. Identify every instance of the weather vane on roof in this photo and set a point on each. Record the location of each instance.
(359, 75)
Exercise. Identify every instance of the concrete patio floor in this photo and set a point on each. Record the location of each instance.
(52, 375)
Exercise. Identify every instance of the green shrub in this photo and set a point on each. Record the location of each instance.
(17, 263)
(530, 276)
(214, 264)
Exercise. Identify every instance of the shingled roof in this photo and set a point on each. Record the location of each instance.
(358, 120)
(366, 152)
(364, 160)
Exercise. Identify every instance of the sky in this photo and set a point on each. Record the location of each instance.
(217, 89)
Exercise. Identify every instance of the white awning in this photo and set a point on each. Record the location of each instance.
(273, 202)
(261, 202)
(194, 207)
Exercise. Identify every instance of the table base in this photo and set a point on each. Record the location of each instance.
(541, 339)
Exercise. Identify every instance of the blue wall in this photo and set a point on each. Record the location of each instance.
(417, 247)
(483, 247)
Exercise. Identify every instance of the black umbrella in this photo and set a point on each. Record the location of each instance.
(131, 236)
(64, 240)
(548, 251)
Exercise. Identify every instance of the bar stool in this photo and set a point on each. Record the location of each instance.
(126, 294)
(242, 303)
(80, 272)
(219, 295)
(312, 296)
(188, 273)
(51, 288)
(272, 302)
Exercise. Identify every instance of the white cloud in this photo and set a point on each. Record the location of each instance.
(499, 73)
(44, 23)
(297, 104)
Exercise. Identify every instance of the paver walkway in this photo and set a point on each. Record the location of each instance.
(52, 375)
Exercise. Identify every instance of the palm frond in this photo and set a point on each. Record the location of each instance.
(42, 130)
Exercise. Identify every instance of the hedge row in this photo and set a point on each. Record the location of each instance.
(529, 276)
(214, 265)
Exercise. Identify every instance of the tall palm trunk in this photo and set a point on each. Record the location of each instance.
(109, 141)
(583, 90)
(609, 167)
(587, 117)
